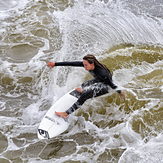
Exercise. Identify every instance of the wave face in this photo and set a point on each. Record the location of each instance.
(123, 34)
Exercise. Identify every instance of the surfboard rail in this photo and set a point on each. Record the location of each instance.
(52, 125)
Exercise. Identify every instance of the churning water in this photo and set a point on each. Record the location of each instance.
(126, 35)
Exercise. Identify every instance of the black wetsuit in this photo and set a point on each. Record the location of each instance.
(91, 88)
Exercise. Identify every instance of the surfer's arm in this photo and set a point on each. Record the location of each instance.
(108, 80)
(74, 63)
(115, 88)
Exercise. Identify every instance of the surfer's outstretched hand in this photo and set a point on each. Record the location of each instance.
(62, 114)
(51, 64)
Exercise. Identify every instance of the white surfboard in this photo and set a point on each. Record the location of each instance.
(53, 125)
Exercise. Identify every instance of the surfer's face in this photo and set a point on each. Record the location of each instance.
(87, 65)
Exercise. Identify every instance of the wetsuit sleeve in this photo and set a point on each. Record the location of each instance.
(74, 63)
(107, 77)
(108, 80)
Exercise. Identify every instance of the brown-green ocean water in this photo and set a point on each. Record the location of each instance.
(124, 35)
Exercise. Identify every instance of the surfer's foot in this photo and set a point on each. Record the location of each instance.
(79, 90)
(62, 114)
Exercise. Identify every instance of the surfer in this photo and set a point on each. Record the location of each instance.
(92, 88)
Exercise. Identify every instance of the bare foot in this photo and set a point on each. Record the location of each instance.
(62, 114)
(79, 90)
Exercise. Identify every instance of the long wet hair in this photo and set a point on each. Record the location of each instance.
(92, 59)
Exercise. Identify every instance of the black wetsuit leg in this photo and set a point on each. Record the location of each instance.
(95, 90)
(89, 83)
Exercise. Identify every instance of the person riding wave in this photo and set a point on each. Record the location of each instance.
(92, 88)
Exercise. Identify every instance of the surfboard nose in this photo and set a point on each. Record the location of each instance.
(42, 134)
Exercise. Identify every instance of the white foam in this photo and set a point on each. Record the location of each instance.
(85, 27)
(142, 154)
(10, 5)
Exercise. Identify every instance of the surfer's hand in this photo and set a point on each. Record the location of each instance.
(51, 64)
(62, 114)
(122, 95)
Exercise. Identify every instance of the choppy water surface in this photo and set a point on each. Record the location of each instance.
(125, 35)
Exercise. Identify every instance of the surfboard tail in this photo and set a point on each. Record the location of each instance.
(42, 134)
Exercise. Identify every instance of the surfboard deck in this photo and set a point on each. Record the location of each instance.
(53, 125)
